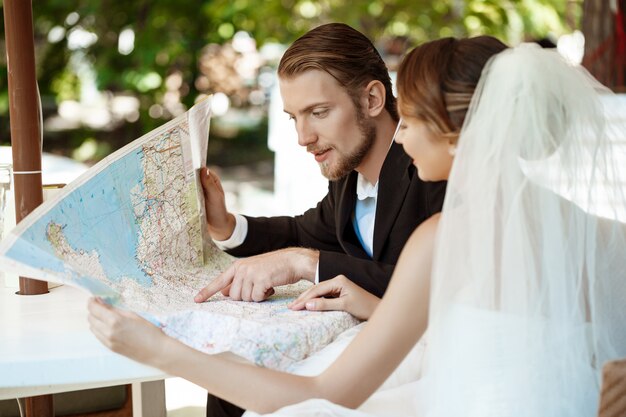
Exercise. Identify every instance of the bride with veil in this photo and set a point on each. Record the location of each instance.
(520, 281)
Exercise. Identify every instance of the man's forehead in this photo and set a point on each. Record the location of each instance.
(300, 92)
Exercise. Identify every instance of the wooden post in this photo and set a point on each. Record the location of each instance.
(24, 113)
(605, 42)
(40, 406)
(25, 140)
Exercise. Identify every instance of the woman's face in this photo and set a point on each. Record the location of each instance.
(431, 153)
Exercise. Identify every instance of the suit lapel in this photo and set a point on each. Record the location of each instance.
(345, 229)
(393, 185)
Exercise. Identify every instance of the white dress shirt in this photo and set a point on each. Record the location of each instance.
(367, 195)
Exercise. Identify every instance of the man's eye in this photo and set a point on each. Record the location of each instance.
(320, 113)
(402, 126)
(291, 117)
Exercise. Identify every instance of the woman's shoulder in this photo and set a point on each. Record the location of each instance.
(430, 224)
(425, 233)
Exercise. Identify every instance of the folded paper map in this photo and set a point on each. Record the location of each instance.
(131, 230)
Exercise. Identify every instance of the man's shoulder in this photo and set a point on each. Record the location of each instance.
(397, 163)
(396, 154)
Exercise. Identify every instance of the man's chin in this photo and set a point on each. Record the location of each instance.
(333, 175)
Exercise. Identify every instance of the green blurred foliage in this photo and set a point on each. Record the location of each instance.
(169, 35)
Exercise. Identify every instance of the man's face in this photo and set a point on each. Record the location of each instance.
(334, 131)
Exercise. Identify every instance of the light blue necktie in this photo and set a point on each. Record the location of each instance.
(364, 210)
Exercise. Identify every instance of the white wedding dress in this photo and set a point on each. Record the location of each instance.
(398, 385)
(528, 292)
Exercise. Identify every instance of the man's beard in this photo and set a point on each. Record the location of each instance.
(347, 163)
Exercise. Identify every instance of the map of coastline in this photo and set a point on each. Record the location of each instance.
(131, 231)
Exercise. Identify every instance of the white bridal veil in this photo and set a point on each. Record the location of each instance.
(529, 285)
(529, 281)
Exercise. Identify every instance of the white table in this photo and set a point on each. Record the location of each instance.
(46, 347)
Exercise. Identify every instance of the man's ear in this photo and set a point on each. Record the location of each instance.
(375, 99)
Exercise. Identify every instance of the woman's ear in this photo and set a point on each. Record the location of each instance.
(376, 96)
(452, 142)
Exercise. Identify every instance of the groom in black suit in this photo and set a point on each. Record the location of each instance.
(336, 88)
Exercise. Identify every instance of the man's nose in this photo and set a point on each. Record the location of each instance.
(306, 135)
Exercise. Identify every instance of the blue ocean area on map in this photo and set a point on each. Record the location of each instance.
(107, 223)
(131, 231)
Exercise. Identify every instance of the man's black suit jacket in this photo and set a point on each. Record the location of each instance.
(404, 201)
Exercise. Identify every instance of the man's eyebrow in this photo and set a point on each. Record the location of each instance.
(308, 108)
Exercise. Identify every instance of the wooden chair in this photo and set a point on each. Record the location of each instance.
(613, 394)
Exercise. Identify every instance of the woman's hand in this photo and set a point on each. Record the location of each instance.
(126, 333)
(343, 295)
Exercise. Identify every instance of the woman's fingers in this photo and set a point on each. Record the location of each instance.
(322, 289)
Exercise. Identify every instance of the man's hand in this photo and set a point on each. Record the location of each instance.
(220, 222)
(126, 333)
(254, 278)
(345, 296)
